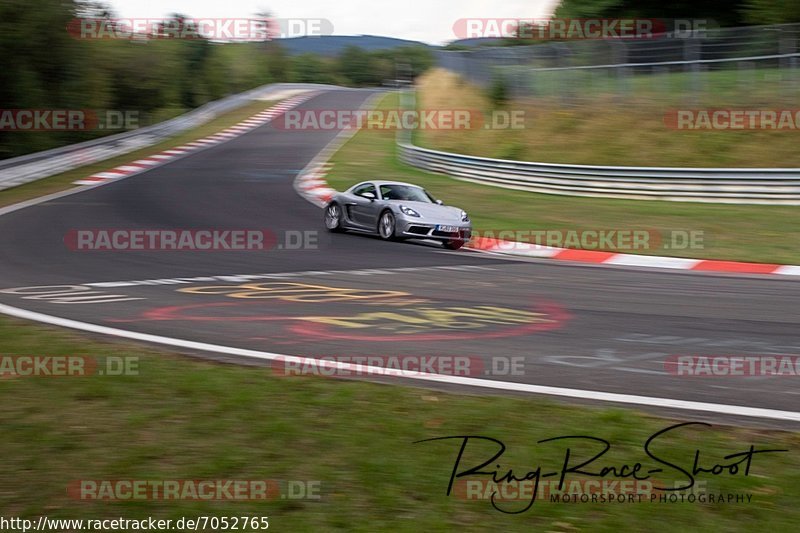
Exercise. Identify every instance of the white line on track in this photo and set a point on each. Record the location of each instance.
(722, 409)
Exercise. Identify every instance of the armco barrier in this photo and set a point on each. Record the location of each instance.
(39, 165)
(774, 186)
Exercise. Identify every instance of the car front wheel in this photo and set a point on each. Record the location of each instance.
(454, 244)
(386, 226)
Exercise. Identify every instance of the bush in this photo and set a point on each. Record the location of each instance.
(498, 92)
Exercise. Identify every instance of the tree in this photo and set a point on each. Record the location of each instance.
(278, 62)
(355, 64)
(724, 12)
(310, 68)
(772, 11)
(498, 92)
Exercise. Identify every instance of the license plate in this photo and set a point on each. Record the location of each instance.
(447, 229)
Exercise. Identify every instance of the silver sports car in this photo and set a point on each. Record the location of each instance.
(396, 210)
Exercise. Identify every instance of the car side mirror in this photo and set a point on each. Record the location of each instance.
(439, 202)
(369, 195)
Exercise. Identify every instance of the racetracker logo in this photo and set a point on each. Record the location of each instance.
(193, 489)
(214, 29)
(553, 490)
(705, 366)
(19, 366)
(558, 28)
(603, 239)
(400, 119)
(399, 365)
(733, 119)
(182, 240)
(67, 119)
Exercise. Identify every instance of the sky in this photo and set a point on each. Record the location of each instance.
(430, 21)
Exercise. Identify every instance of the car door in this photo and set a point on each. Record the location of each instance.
(361, 210)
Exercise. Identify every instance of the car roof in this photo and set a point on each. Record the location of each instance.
(386, 182)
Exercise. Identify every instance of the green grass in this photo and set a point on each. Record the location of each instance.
(64, 180)
(612, 130)
(732, 232)
(187, 419)
(728, 86)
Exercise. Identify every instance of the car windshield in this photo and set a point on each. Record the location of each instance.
(409, 193)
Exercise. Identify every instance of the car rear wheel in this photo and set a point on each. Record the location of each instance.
(454, 244)
(333, 217)
(386, 226)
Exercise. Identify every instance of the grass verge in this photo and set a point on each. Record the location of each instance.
(764, 234)
(187, 419)
(606, 131)
(64, 180)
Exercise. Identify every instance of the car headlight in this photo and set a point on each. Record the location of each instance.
(408, 211)
(464, 217)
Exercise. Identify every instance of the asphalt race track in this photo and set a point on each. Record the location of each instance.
(593, 328)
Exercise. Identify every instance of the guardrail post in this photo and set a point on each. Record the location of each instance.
(621, 57)
(788, 65)
(746, 71)
(408, 101)
(692, 67)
